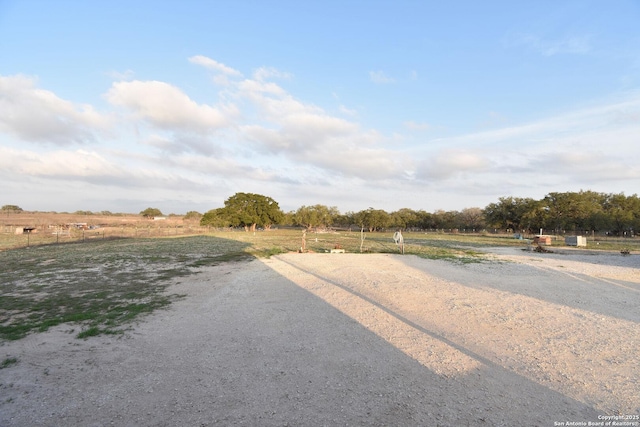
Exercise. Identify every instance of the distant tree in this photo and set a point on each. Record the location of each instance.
(106, 213)
(315, 216)
(372, 219)
(288, 218)
(509, 213)
(445, 219)
(425, 220)
(404, 218)
(344, 220)
(192, 216)
(533, 215)
(622, 213)
(575, 211)
(83, 213)
(246, 210)
(151, 213)
(11, 209)
(471, 219)
(215, 218)
(571, 210)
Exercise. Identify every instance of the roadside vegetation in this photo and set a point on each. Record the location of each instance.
(100, 286)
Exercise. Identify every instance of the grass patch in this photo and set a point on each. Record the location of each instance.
(269, 252)
(100, 285)
(212, 260)
(91, 332)
(450, 254)
(7, 362)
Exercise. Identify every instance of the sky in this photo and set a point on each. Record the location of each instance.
(178, 105)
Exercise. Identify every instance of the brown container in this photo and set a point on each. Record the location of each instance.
(542, 240)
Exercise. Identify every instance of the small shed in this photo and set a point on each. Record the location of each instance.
(575, 241)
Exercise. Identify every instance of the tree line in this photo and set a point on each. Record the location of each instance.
(577, 212)
(581, 212)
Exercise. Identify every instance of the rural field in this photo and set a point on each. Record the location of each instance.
(236, 328)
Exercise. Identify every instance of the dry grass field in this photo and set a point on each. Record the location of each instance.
(60, 228)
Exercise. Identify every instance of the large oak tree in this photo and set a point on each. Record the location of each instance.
(246, 210)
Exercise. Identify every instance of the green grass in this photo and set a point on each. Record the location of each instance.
(7, 362)
(90, 332)
(101, 285)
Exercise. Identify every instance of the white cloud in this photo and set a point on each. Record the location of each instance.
(330, 144)
(593, 148)
(179, 143)
(588, 167)
(227, 168)
(416, 126)
(257, 88)
(58, 163)
(117, 75)
(379, 77)
(38, 115)
(214, 65)
(277, 124)
(167, 107)
(449, 163)
(306, 134)
(272, 121)
(65, 170)
(160, 141)
(265, 73)
(347, 111)
(354, 159)
(581, 124)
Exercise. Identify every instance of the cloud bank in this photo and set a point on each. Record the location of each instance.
(37, 115)
(256, 136)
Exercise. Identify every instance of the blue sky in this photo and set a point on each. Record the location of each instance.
(388, 104)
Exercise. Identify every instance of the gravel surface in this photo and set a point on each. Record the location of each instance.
(349, 339)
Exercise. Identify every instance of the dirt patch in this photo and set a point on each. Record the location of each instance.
(345, 339)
